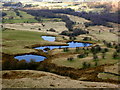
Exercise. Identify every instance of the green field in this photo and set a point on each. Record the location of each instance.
(23, 17)
(14, 41)
(51, 19)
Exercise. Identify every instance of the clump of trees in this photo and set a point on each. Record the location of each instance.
(52, 30)
(96, 64)
(77, 49)
(47, 49)
(84, 54)
(32, 65)
(116, 54)
(17, 12)
(69, 23)
(103, 51)
(19, 4)
(66, 33)
(3, 14)
(86, 65)
(87, 38)
(110, 44)
(78, 31)
(22, 64)
(14, 64)
(65, 49)
(72, 38)
(74, 33)
(28, 5)
(70, 59)
(103, 17)
(39, 28)
(81, 55)
(96, 49)
(38, 19)
(95, 57)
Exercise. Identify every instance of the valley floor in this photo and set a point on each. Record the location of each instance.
(28, 34)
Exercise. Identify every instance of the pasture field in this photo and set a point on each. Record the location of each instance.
(78, 62)
(15, 41)
(57, 26)
(23, 17)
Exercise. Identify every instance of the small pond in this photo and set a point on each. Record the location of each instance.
(28, 58)
(70, 45)
(48, 38)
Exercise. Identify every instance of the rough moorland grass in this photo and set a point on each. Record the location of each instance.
(104, 35)
(113, 69)
(108, 76)
(77, 62)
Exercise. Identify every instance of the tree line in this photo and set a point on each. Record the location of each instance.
(94, 17)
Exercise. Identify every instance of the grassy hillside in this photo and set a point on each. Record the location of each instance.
(13, 17)
(78, 62)
(39, 79)
(15, 41)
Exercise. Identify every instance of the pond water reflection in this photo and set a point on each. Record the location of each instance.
(70, 45)
(28, 58)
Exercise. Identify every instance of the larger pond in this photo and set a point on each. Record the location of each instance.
(28, 58)
(70, 45)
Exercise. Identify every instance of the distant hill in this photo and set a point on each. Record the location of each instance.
(113, 6)
(56, 0)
